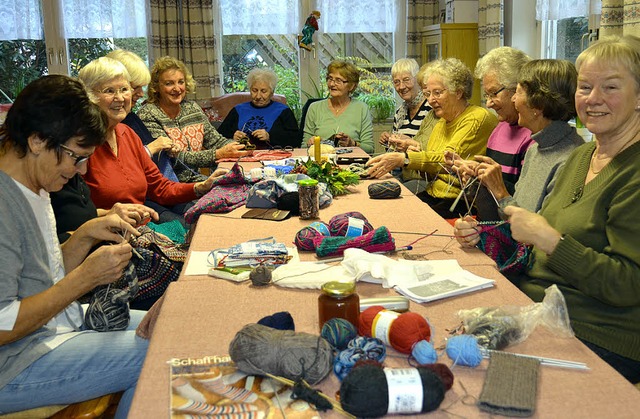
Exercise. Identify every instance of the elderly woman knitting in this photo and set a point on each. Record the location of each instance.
(46, 355)
(463, 129)
(262, 121)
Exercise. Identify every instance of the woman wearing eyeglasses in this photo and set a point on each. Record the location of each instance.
(462, 128)
(340, 120)
(120, 170)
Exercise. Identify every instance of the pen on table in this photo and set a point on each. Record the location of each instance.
(341, 258)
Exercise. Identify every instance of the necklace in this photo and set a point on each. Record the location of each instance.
(596, 157)
(338, 110)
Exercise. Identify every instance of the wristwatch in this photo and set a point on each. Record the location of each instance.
(406, 159)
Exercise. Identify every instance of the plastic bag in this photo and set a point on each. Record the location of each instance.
(499, 327)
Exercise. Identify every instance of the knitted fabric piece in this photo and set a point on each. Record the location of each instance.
(262, 155)
(511, 385)
(173, 230)
(158, 241)
(228, 193)
(511, 256)
(378, 240)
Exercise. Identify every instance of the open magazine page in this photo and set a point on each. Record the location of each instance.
(212, 387)
(443, 286)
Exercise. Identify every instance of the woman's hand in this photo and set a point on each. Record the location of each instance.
(159, 144)
(403, 142)
(383, 164)
(134, 214)
(106, 264)
(110, 228)
(384, 138)
(531, 228)
(232, 150)
(239, 135)
(203, 187)
(466, 232)
(343, 140)
(260, 134)
(490, 174)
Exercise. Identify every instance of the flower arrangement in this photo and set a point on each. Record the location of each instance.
(337, 179)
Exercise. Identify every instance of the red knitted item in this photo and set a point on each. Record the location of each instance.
(378, 240)
(262, 155)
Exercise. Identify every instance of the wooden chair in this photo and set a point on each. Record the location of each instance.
(101, 407)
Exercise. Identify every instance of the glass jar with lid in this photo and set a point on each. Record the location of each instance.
(339, 299)
(309, 199)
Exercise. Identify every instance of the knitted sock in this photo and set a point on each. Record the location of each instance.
(234, 393)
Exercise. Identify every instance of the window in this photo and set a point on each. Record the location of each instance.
(61, 36)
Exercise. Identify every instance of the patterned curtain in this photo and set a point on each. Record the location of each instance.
(185, 29)
(420, 13)
(490, 25)
(620, 17)
(21, 19)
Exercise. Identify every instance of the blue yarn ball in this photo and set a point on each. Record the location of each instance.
(280, 321)
(464, 350)
(360, 348)
(338, 332)
(424, 352)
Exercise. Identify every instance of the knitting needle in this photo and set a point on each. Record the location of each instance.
(135, 252)
(552, 362)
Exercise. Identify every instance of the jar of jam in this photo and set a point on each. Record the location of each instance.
(339, 299)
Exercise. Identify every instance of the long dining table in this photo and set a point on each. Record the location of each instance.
(201, 314)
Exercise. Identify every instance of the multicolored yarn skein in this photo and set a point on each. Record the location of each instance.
(378, 240)
(338, 332)
(305, 237)
(384, 190)
(339, 224)
(258, 349)
(370, 391)
(359, 350)
(400, 331)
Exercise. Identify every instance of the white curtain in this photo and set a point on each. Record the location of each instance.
(361, 16)
(561, 9)
(104, 18)
(20, 19)
(259, 17)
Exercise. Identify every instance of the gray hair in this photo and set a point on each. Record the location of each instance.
(505, 63)
(137, 68)
(100, 71)
(455, 74)
(405, 65)
(264, 74)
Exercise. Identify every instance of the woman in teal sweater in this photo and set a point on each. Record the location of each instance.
(585, 238)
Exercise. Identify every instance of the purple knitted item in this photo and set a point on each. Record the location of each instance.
(511, 256)
(378, 240)
(228, 193)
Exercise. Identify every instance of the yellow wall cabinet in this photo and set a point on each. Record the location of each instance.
(459, 40)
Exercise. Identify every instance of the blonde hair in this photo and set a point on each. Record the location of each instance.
(347, 70)
(624, 51)
(137, 68)
(161, 65)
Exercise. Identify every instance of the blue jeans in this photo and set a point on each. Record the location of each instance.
(87, 366)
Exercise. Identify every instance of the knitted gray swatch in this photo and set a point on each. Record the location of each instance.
(511, 385)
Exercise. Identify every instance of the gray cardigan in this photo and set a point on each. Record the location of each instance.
(541, 164)
(25, 272)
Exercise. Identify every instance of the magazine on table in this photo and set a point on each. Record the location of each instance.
(441, 286)
(212, 387)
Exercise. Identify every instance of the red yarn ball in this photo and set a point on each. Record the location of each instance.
(405, 330)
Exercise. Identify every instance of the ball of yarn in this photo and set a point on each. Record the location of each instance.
(281, 321)
(260, 276)
(365, 391)
(258, 349)
(443, 372)
(359, 349)
(338, 332)
(404, 330)
(464, 350)
(339, 224)
(424, 352)
(105, 313)
(384, 190)
(304, 239)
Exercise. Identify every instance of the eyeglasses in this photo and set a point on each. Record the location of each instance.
(77, 157)
(337, 82)
(406, 81)
(435, 93)
(492, 96)
(111, 91)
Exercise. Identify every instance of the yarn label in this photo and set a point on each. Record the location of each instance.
(382, 324)
(355, 228)
(320, 227)
(405, 390)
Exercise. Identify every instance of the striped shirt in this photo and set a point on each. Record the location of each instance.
(410, 126)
